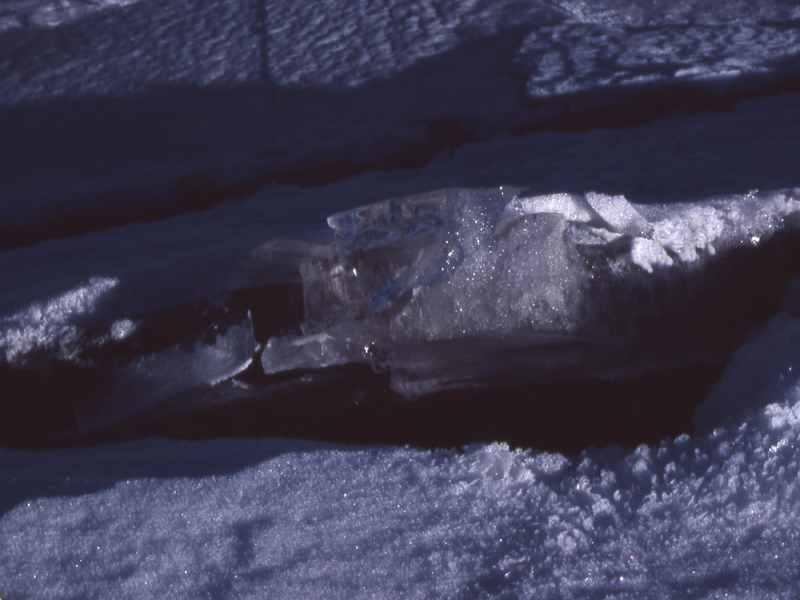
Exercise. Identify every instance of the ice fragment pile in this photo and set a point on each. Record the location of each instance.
(453, 287)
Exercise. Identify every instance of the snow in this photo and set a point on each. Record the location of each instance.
(762, 371)
(234, 205)
(578, 57)
(112, 100)
(712, 516)
(50, 325)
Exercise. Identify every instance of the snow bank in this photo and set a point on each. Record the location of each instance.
(110, 103)
(708, 517)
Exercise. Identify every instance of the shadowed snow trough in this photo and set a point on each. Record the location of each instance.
(422, 306)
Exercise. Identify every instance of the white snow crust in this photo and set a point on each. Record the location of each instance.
(578, 57)
(708, 517)
(52, 326)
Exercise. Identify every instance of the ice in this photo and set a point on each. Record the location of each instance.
(445, 290)
(286, 354)
(222, 352)
(469, 279)
(570, 206)
(409, 271)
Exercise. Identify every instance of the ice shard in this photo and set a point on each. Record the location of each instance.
(219, 353)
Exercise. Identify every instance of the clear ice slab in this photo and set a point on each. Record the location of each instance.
(460, 288)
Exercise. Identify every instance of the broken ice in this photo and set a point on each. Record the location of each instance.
(482, 282)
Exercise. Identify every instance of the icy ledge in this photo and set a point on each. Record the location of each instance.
(460, 288)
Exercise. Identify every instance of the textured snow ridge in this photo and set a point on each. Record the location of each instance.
(54, 327)
(640, 13)
(711, 517)
(345, 44)
(575, 58)
(435, 288)
(15, 14)
(129, 110)
(121, 48)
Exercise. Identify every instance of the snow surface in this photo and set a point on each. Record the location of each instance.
(708, 517)
(611, 179)
(109, 103)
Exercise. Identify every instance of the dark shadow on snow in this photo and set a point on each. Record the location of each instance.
(104, 157)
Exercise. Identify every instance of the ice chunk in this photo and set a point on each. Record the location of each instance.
(526, 278)
(389, 221)
(619, 214)
(572, 207)
(309, 352)
(223, 351)
(446, 286)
